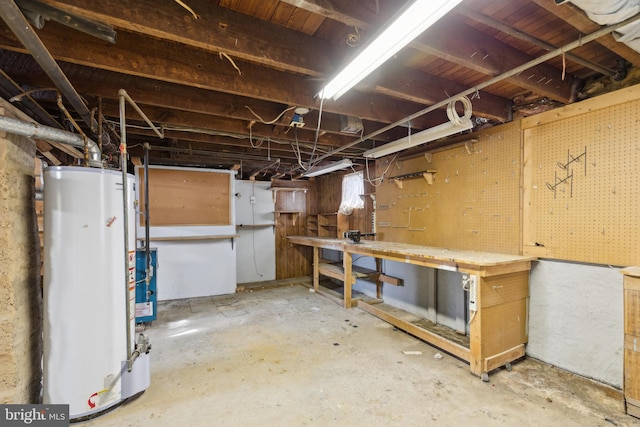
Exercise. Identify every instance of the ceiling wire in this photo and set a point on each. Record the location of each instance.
(353, 152)
(228, 58)
(186, 6)
(272, 121)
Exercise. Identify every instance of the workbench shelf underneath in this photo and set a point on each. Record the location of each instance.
(441, 336)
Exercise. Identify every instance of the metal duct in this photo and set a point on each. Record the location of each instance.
(611, 12)
(33, 130)
(16, 21)
(39, 12)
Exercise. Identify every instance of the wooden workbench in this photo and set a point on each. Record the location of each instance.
(497, 329)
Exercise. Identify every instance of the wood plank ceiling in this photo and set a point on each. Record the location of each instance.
(223, 77)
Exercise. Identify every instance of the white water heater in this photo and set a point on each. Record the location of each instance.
(86, 291)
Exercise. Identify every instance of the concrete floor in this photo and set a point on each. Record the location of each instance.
(287, 357)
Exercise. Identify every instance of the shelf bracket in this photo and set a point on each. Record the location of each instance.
(428, 176)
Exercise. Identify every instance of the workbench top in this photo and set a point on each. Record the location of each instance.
(415, 251)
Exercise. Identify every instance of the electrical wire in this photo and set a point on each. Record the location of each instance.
(381, 177)
(253, 229)
(272, 121)
(296, 150)
(251, 139)
(318, 150)
(315, 141)
(184, 5)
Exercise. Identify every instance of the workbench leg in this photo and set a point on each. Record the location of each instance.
(346, 265)
(378, 281)
(316, 268)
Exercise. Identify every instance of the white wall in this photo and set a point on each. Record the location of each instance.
(576, 319)
(256, 246)
(188, 269)
(196, 267)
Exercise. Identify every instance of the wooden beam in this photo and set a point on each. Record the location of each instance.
(487, 105)
(45, 148)
(202, 121)
(451, 39)
(223, 143)
(348, 12)
(65, 148)
(218, 30)
(419, 87)
(175, 96)
(161, 60)
(285, 42)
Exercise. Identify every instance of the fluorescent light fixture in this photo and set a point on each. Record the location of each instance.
(332, 167)
(454, 125)
(407, 26)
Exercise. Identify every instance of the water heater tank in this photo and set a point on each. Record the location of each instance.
(85, 288)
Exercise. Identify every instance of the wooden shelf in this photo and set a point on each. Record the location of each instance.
(336, 271)
(189, 238)
(295, 214)
(288, 189)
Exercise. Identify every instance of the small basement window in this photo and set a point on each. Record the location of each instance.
(352, 188)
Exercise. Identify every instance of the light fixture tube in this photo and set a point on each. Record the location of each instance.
(332, 167)
(454, 125)
(407, 26)
(428, 135)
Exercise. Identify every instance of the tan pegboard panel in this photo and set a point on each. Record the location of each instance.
(581, 187)
(473, 202)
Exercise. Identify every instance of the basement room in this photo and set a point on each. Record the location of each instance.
(319, 213)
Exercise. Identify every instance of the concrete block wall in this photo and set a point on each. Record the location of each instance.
(20, 290)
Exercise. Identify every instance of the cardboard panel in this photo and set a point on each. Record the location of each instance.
(186, 197)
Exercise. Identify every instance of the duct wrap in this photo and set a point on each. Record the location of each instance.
(612, 12)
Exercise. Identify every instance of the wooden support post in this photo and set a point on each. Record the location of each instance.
(348, 278)
(379, 278)
(316, 264)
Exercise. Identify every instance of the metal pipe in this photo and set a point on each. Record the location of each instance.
(125, 96)
(39, 12)
(123, 99)
(34, 130)
(559, 51)
(514, 32)
(146, 147)
(75, 125)
(125, 204)
(16, 21)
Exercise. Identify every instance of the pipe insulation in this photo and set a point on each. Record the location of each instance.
(34, 130)
(613, 12)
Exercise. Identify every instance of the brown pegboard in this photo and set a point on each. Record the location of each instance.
(473, 202)
(581, 185)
